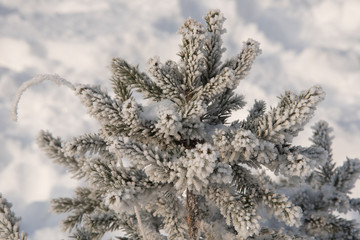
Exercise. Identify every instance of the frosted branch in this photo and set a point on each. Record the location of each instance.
(126, 75)
(239, 211)
(284, 121)
(213, 43)
(169, 206)
(191, 52)
(34, 81)
(9, 224)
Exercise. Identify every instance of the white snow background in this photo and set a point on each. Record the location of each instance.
(304, 42)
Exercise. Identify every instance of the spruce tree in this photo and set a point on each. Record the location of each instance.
(174, 167)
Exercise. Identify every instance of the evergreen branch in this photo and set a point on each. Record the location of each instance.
(111, 221)
(122, 221)
(321, 137)
(121, 89)
(168, 78)
(278, 234)
(155, 163)
(53, 147)
(326, 172)
(244, 182)
(83, 204)
(84, 234)
(237, 145)
(330, 227)
(344, 177)
(252, 120)
(215, 231)
(317, 156)
(168, 126)
(87, 144)
(243, 62)
(9, 223)
(105, 221)
(320, 201)
(172, 212)
(130, 113)
(192, 129)
(238, 210)
(108, 175)
(191, 53)
(282, 208)
(278, 204)
(129, 225)
(355, 204)
(283, 122)
(126, 76)
(199, 166)
(116, 119)
(221, 107)
(88, 216)
(213, 43)
(302, 162)
(100, 105)
(247, 147)
(298, 161)
(216, 85)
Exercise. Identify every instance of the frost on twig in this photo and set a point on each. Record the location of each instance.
(34, 81)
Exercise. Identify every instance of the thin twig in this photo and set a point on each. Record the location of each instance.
(141, 227)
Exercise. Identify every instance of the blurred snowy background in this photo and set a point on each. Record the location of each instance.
(304, 42)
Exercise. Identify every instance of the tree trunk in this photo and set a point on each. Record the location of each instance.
(192, 214)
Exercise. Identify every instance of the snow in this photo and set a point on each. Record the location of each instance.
(304, 43)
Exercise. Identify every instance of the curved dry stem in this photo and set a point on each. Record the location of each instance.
(34, 81)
